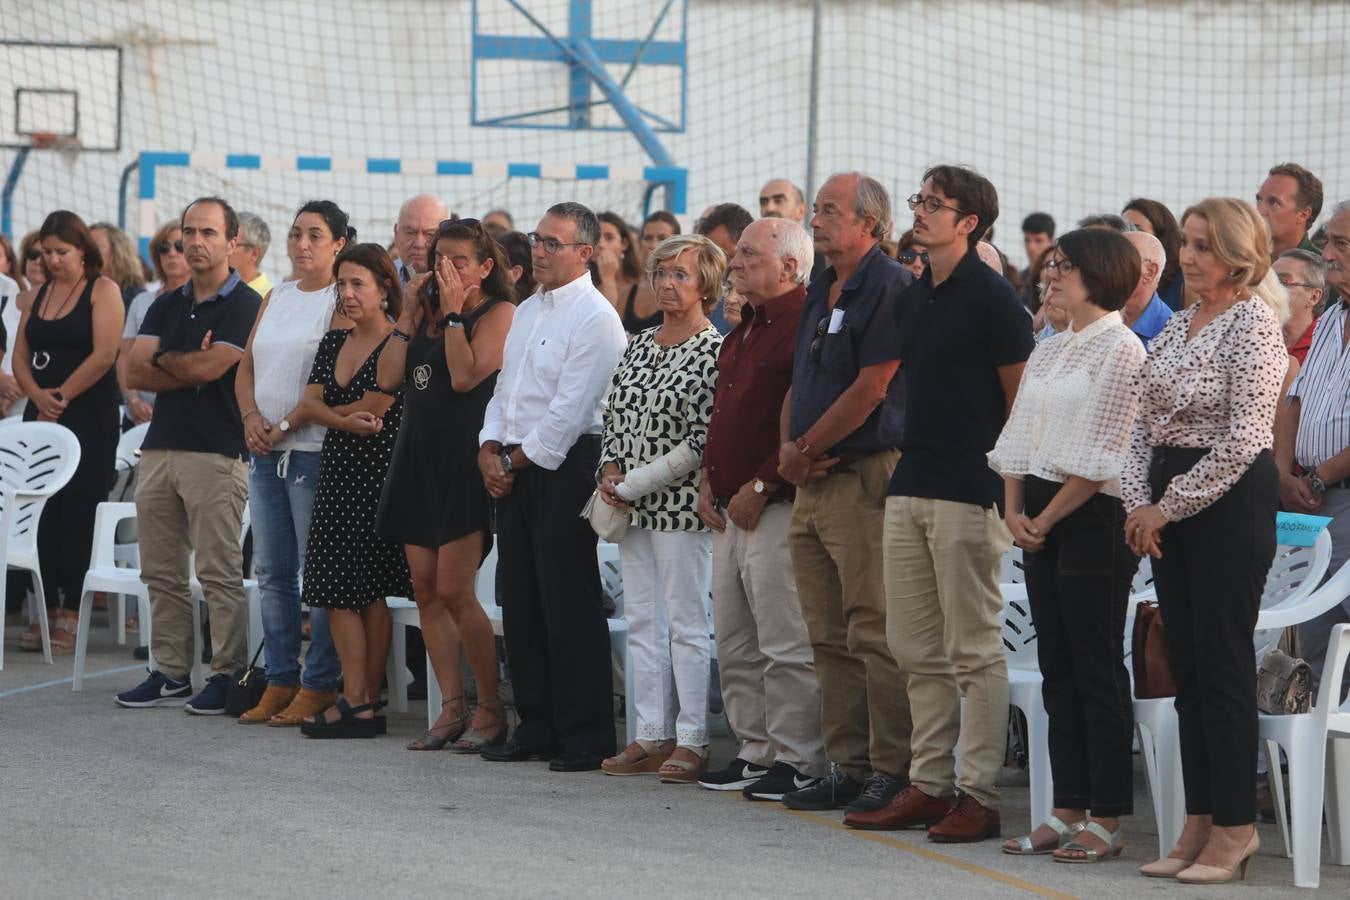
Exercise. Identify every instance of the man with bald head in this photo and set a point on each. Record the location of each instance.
(414, 232)
(1145, 312)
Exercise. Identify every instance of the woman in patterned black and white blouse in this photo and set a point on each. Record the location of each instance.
(656, 422)
(1202, 489)
(1060, 455)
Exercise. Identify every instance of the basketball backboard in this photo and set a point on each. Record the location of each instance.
(63, 91)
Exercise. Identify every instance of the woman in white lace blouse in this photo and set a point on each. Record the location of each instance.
(1202, 488)
(1060, 456)
(656, 423)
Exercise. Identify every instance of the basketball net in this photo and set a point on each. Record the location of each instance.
(68, 146)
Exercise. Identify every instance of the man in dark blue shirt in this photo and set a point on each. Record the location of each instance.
(841, 427)
(193, 482)
(964, 339)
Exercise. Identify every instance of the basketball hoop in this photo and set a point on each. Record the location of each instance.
(66, 144)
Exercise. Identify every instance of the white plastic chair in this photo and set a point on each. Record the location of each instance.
(106, 576)
(37, 459)
(251, 598)
(1024, 693)
(1291, 596)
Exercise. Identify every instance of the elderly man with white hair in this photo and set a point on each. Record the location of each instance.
(1145, 312)
(414, 233)
(764, 655)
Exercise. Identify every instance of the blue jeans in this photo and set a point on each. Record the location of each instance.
(280, 508)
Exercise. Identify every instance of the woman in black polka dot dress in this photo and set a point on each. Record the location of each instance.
(349, 570)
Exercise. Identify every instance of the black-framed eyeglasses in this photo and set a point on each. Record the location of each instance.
(1061, 266)
(822, 329)
(34, 255)
(176, 246)
(909, 257)
(474, 224)
(551, 245)
(931, 204)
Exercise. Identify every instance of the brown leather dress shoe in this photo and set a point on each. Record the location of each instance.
(911, 808)
(967, 823)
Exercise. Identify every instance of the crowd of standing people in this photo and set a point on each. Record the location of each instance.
(842, 435)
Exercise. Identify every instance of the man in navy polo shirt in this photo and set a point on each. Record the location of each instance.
(840, 430)
(964, 340)
(193, 482)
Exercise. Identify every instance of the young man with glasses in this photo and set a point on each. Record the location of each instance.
(964, 340)
(540, 450)
(840, 429)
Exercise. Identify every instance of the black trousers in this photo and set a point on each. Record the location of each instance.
(1209, 581)
(1079, 587)
(557, 640)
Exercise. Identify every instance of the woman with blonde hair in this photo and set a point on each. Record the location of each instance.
(120, 262)
(655, 426)
(1201, 489)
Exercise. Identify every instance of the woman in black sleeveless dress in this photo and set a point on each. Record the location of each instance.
(444, 354)
(63, 359)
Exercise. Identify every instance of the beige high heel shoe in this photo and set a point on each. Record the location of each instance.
(1218, 874)
(1167, 867)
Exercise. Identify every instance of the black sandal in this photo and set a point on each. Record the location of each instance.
(346, 726)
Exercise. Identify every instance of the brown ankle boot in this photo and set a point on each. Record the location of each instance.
(276, 698)
(306, 703)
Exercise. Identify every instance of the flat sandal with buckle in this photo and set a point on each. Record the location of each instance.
(1114, 841)
(1065, 833)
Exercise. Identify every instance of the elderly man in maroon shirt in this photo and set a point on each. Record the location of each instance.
(764, 655)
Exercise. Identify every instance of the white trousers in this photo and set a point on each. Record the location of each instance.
(665, 597)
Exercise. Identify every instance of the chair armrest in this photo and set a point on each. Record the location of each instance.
(1331, 593)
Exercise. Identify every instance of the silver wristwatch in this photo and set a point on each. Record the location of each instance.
(1315, 481)
(506, 463)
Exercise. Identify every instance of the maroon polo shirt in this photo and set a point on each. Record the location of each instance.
(754, 372)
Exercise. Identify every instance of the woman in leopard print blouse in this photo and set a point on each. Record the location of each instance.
(1201, 487)
(656, 422)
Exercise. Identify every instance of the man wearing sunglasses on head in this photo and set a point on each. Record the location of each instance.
(841, 425)
(540, 448)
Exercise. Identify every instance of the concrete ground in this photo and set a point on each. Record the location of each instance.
(97, 801)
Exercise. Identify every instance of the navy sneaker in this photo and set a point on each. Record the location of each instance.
(734, 776)
(877, 793)
(211, 700)
(781, 779)
(157, 690)
(834, 791)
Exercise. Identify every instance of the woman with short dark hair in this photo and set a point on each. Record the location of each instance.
(69, 330)
(1060, 455)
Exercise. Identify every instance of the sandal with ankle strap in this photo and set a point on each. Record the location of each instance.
(1114, 841)
(453, 729)
(1064, 833)
(347, 725)
(476, 740)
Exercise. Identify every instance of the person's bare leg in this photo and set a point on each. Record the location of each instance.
(456, 577)
(438, 631)
(349, 638)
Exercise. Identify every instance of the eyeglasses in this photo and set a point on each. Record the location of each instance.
(176, 247)
(679, 276)
(822, 329)
(930, 204)
(1302, 284)
(1061, 266)
(461, 223)
(34, 255)
(908, 257)
(552, 245)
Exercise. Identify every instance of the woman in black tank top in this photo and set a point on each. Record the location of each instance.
(444, 354)
(63, 359)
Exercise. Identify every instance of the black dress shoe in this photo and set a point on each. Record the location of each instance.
(574, 763)
(513, 751)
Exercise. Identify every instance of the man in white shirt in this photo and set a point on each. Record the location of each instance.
(11, 395)
(1315, 433)
(540, 450)
(418, 219)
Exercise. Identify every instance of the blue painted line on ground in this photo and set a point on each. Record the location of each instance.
(60, 681)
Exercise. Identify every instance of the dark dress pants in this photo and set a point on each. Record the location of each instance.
(1210, 580)
(1079, 587)
(557, 638)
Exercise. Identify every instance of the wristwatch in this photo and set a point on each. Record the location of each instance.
(284, 425)
(1315, 481)
(759, 486)
(450, 320)
(154, 358)
(506, 463)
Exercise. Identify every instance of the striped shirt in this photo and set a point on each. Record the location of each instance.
(1323, 390)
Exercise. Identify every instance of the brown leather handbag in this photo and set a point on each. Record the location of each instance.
(1152, 674)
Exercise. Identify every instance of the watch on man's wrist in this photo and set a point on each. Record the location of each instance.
(154, 358)
(1315, 481)
(284, 425)
(507, 465)
(760, 487)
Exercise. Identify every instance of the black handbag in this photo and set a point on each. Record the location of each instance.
(246, 688)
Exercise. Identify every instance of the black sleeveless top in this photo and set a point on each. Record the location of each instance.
(59, 346)
(632, 323)
(434, 493)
